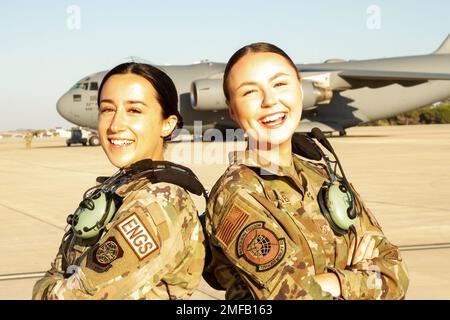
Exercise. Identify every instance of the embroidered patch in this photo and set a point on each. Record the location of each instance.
(108, 251)
(102, 256)
(137, 236)
(260, 246)
(233, 222)
(284, 199)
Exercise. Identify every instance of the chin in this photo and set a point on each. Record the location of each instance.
(275, 138)
(120, 162)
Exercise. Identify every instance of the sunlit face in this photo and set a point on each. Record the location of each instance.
(130, 123)
(265, 97)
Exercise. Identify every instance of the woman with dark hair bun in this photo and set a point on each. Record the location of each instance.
(137, 234)
(283, 226)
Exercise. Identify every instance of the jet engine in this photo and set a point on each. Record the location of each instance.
(314, 94)
(207, 95)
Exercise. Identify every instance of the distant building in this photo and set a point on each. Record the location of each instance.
(63, 132)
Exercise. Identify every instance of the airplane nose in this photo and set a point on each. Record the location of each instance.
(62, 106)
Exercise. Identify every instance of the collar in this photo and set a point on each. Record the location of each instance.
(265, 167)
(131, 186)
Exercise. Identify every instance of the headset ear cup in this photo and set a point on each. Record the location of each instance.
(351, 211)
(322, 199)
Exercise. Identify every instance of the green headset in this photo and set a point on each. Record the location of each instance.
(335, 198)
(100, 203)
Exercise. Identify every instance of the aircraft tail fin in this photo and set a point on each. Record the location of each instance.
(445, 47)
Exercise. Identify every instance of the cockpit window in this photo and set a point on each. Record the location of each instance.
(93, 86)
(81, 85)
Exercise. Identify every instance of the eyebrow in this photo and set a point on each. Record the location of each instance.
(247, 83)
(106, 100)
(128, 101)
(135, 102)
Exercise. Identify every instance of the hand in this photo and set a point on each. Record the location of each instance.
(366, 250)
(329, 282)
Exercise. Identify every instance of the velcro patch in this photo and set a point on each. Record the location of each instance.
(137, 236)
(233, 222)
(103, 255)
(260, 246)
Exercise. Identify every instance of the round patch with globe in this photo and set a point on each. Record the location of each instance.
(260, 246)
(107, 252)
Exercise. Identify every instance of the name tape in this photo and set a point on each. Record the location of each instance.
(137, 236)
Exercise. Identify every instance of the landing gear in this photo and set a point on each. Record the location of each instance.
(94, 141)
(342, 133)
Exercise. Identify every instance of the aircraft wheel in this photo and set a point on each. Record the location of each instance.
(342, 133)
(68, 144)
(94, 141)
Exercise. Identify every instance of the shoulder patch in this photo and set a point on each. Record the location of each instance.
(137, 236)
(233, 222)
(103, 255)
(260, 246)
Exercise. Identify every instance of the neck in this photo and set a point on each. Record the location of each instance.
(158, 152)
(280, 154)
(158, 156)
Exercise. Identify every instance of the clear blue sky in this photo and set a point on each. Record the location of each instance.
(41, 57)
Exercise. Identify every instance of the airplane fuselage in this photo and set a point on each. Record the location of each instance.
(352, 101)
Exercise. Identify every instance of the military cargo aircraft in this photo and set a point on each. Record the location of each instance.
(338, 94)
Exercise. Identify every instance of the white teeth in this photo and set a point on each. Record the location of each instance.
(273, 117)
(121, 142)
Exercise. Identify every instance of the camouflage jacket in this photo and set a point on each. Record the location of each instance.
(152, 249)
(269, 238)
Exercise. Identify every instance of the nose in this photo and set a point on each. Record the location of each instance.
(269, 98)
(118, 122)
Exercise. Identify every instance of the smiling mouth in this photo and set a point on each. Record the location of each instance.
(274, 120)
(120, 142)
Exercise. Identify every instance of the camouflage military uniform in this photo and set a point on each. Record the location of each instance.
(268, 238)
(153, 249)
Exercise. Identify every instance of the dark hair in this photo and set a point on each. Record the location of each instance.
(252, 48)
(167, 95)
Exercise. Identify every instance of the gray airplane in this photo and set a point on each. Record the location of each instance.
(338, 94)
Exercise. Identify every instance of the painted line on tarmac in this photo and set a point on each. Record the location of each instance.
(37, 275)
(31, 216)
(430, 246)
(20, 276)
(414, 247)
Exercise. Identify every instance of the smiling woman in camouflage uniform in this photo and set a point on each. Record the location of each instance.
(268, 237)
(153, 246)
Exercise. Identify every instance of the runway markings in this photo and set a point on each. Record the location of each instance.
(413, 247)
(21, 276)
(31, 216)
(37, 275)
(430, 246)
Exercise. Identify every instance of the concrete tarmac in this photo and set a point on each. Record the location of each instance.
(402, 173)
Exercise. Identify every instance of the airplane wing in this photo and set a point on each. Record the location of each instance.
(392, 75)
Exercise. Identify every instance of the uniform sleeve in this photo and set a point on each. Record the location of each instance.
(385, 277)
(253, 257)
(58, 267)
(50, 278)
(149, 240)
